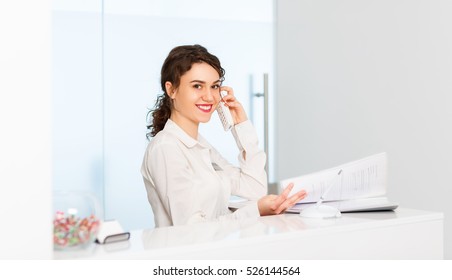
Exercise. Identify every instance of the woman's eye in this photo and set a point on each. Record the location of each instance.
(216, 86)
(197, 86)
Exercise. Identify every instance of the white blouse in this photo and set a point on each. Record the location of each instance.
(188, 181)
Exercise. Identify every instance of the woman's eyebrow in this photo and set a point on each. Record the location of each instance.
(204, 82)
(198, 81)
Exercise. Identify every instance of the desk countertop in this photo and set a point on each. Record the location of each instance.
(238, 239)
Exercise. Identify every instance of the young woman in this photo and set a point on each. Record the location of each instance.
(186, 179)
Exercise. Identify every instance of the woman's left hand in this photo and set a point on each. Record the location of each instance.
(236, 108)
(272, 204)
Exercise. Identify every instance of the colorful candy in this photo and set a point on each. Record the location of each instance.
(71, 231)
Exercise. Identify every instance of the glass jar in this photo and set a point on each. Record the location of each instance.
(76, 220)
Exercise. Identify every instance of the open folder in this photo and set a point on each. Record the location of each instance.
(361, 186)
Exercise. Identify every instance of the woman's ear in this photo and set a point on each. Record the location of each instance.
(170, 90)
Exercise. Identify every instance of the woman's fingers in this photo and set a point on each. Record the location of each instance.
(229, 98)
(291, 201)
(282, 197)
(236, 108)
(287, 190)
(276, 204)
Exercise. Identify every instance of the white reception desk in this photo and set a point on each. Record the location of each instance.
(399, 234)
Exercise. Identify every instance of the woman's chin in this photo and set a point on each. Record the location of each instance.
(205, 120)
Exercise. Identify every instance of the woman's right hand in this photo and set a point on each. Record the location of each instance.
(276, 204)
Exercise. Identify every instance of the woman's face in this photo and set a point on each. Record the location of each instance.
(197, 96)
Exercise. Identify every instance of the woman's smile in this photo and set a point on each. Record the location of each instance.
(206, 108)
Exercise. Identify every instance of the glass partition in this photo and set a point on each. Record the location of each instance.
(78, 102)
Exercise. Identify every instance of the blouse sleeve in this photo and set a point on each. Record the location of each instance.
(250, 179)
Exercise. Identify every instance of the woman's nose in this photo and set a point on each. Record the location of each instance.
(208, 95)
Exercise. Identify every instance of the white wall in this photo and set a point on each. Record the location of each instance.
(361, 77)
(25, 121)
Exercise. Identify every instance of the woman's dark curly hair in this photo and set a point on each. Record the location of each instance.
(179, 61)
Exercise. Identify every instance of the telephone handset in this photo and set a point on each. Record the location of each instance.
(224, 114)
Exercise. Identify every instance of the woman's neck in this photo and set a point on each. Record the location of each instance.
(188, 126)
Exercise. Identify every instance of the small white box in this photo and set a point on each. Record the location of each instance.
(111, 231)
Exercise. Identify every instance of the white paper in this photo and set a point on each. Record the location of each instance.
(359, 179)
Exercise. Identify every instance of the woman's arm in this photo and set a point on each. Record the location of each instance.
(249, 180)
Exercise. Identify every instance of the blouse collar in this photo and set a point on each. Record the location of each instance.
(180, 134)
